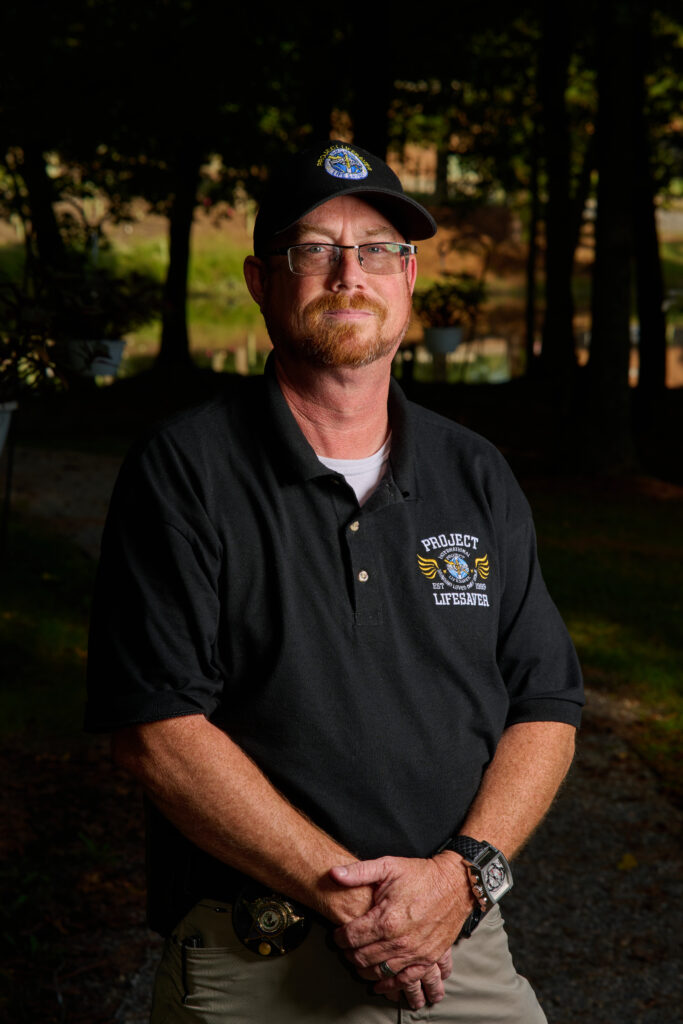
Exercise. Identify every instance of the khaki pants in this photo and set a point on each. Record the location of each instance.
(224, 983)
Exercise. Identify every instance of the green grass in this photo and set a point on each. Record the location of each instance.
(148, 256)
(672, 269)
(12, 257)
(610, 561)
(220, 309)
(45, 586)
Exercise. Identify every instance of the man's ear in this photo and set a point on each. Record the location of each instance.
(255, 276)
(411, 271)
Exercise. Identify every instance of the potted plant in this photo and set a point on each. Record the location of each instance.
(94, 311)
(446, 308)
(26, 368)
(26, 355)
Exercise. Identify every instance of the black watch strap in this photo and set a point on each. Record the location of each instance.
(466, 846)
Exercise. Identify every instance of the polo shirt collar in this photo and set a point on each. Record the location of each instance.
(296, 459)
(402, 455)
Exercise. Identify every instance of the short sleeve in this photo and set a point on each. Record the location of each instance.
(536, 656)
(155, 608)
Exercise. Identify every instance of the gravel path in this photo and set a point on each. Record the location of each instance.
(595, 916)
(69, 489)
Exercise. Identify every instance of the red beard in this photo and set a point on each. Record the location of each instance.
(344, 344)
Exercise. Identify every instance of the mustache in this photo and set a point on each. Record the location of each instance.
(332, 303)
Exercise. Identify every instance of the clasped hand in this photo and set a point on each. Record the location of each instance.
(419, 907)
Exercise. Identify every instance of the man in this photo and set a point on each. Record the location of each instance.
(324, 647)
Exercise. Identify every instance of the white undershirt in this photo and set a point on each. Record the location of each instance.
(363, 475)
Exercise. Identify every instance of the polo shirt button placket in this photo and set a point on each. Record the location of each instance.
(361, 550)
(363, 575)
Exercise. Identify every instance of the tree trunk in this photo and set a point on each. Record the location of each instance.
(608, 441)
(558, 359)
(175, 342)
(532, 255)
(321, 116)
(441, 189)
(370, 113)
(652, 339)
(582, 191)
(44, 223)
(649, 279)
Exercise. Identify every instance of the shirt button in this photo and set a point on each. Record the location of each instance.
(363, 576)
(355, 526)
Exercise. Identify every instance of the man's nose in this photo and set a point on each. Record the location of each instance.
(347, 271)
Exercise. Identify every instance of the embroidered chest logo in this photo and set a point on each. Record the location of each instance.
(458, 571)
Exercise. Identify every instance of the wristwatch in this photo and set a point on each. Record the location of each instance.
(489, 873)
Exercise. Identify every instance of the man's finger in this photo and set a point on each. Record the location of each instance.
(360, 872)
(415, 995)
(405, 976)
(411, 980)
(432, 985)
(368, 956)
(445, 963)
(361, 932)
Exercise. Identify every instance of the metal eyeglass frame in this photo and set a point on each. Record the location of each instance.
(405, 250)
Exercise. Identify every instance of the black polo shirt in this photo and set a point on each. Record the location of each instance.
(368, 659)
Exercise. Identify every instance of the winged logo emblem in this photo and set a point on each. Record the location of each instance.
(482, 566)
(428, 566)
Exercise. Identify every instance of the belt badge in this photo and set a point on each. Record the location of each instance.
(269, 925)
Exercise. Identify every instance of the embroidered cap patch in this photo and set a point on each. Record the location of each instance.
(342, 162)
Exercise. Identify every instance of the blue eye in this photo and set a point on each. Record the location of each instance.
(382, 248)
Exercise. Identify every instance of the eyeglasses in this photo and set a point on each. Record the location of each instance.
(314, 259)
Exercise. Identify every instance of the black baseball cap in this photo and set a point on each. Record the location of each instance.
(307, 179)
